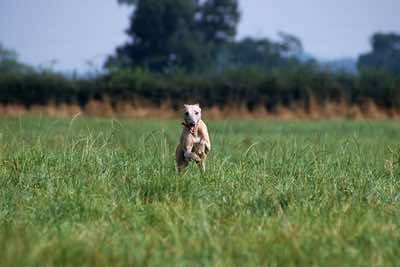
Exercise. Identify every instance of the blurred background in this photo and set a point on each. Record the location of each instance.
(247, 58)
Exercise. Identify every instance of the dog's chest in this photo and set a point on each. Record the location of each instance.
(196, 139)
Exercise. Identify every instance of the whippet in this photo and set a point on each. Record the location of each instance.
(194, 142)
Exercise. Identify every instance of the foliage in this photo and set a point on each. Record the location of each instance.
(385, 54)
(176, 33)
(9, 62)
(92, 192)
(261, 53)
(197, 36)
(248, 87)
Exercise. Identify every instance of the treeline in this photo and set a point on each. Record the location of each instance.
(181, 51)
(248, 88)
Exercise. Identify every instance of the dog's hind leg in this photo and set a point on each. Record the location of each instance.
(202, 163)
(202, 166)
(181, 167)
(200, 150)
(181, 161)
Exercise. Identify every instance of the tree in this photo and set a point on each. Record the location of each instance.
(385, 54)
(9, 62)
(176, 33)
(262, 53)
(217, 20)
(290, 45)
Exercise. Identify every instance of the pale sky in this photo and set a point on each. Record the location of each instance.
(74, 32)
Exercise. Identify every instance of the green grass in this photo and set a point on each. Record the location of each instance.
(93, 192)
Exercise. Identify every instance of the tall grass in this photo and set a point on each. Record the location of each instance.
(91, 192)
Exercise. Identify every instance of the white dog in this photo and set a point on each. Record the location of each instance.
(194, 143)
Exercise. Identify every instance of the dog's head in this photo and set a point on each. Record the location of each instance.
(191, 116)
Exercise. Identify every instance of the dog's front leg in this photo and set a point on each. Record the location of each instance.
(206, 144)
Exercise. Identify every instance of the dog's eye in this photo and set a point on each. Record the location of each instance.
(196, 113)
(186, 113)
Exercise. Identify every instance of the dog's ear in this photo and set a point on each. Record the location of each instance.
(197, 104)
(186, 106)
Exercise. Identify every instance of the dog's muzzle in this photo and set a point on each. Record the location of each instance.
(191, 126)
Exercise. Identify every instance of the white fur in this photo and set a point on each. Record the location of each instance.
(195, 142)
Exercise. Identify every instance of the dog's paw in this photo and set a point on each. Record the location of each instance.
(200, 150)
(196, 158)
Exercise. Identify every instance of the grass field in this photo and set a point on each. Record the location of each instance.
(98, 192)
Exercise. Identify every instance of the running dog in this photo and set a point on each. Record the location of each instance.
(194, 143)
